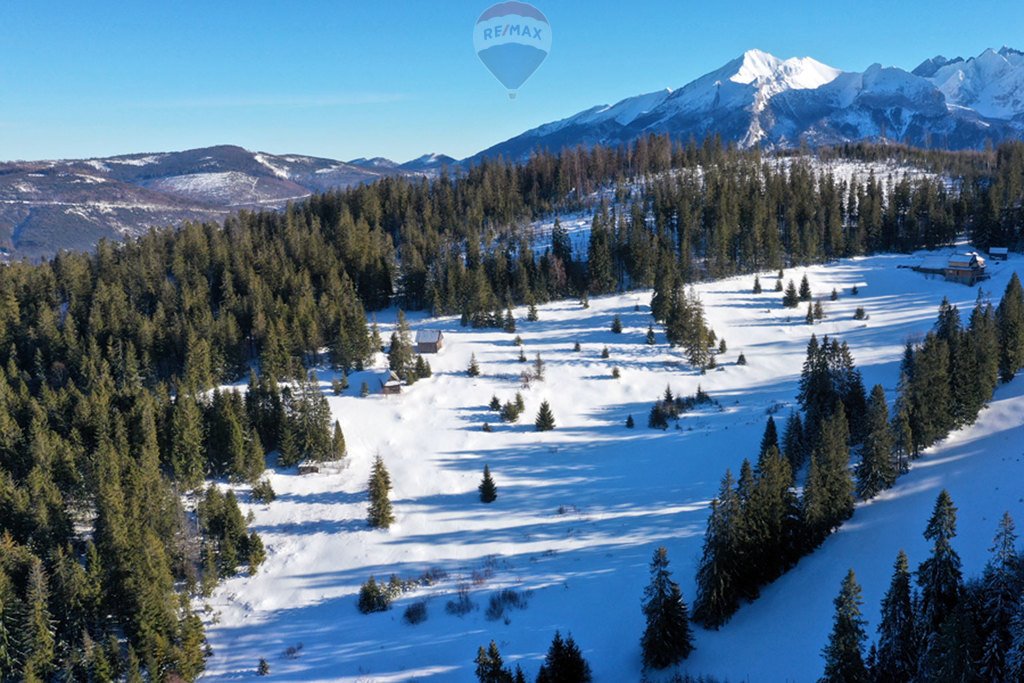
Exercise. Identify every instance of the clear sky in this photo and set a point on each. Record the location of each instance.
(399, 78)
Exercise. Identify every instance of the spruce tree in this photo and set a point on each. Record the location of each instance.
(564, 663)
(1001, 585)
(187, 442)
(36, 642)
(939, 576)
(844, 654)
(1010, 322)
(488, 491)
(1015, 654)
(379, 514)
(489, 666)
(338, 448)
(876, 470)
(629, 422)
(545, 418)
(770, 438)
(473, 370)
(793, 445)
(667, 639)
(717, 591)
(757, 285)
(897, 653)
(650, 338)
(805, 289)
(790, 299)
(617, 324)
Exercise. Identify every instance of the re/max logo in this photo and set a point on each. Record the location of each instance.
(512, 30)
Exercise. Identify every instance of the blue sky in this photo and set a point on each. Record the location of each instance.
(399, 78)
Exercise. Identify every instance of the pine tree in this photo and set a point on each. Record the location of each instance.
(844, 654)
(778, 285)
(650, 338)
(262, 667)
(629, 422)
(338, 448)
(757, 285)
(939, 576)
(793, 445)
(818, 312)
(473, 370)
(876, 470)
(805, 289)
(379, 514)
(897, 653)
(617, 325)
(187, 442)
(667, 638)
(489, 666)
(1015, 655)
(564, 663)
(545, 418)
(790, 299)
(717, 590)
(809, 318)
(828, 495)
(495, 404)
(1010, 322)
(1001, 585)
(36, 630)
(488, 491)
(770, 439)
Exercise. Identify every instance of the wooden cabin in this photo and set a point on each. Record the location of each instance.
(968, 269)
(429, 341)
(307, 467)
(389, 382)
(998, 253)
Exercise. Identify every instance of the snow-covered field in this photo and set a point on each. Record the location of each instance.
(580, 509)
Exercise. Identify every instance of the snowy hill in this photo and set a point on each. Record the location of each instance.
(758, 98)
(46, 206)
(581, 508)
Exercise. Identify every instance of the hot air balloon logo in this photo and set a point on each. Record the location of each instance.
(512, 39)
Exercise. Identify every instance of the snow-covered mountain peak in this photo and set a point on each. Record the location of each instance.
(991, 83)
(797, 73)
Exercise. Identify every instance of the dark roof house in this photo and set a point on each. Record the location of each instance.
(968, 268)
(389, 383)
(429, 341)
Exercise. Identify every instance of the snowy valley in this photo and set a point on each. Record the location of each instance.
(581, 508)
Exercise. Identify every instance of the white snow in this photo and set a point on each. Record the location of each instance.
(580, 509)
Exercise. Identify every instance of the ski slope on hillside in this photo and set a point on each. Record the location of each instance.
(580, 509)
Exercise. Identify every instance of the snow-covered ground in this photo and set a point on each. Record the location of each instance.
(580, 509)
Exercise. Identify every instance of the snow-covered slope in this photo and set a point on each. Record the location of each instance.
(581, 509)
(758, 98)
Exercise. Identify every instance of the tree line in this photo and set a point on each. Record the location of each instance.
(760, 526)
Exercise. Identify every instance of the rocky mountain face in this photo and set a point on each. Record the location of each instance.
(759, 99)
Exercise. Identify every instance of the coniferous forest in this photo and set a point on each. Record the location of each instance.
(110, 427)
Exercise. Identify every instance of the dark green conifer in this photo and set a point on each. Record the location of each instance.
(667, 639)
(487, 488)
(545, 418)
(844, 654)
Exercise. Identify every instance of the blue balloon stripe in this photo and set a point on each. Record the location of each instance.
(512, 63)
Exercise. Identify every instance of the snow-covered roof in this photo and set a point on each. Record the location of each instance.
(428, 336)
(968, 260)
(388, 378)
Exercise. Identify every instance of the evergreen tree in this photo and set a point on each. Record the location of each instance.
(770, 439)
(35, 641)
(790, 299)
(828, 494)
(187, 442)
(717, 590)
(617, 325)
(379, 514)
(793, 445)
(564, 663)
(805, 289)
(489, 666)
(629, 422)
(1001, 585)
(1010, 322)
(545, 418)
(338, 449)
(939, 576)
(897, 653)
(844, 654)
(488, 491)
(757, 285)
(650, 338)
(876, 470)
(1015, 655)
(473, 370)
(667, 638)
